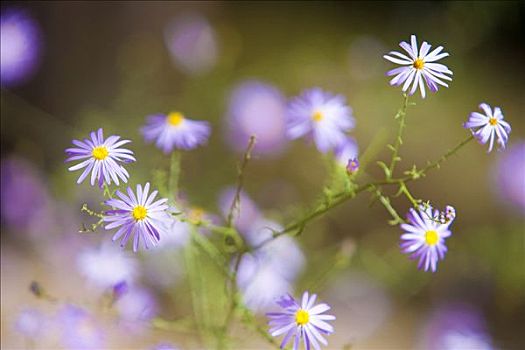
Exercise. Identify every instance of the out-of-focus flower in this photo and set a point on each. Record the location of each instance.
(175, 131)
(260, 284)
(247, 212)
(24, 190)
(106, 266)
(301, 321)
(453, 327)
(257, 108)
(320, 115)
(79, 329)
(345, 151)
(425, 236)
(489, 126)
(273, 253)
(101, 157)
(139, 216)
(192, 43)
(31, 323)
(21, 43)
(137, 305)
(419, 67)
(510, 176)
(164, 346)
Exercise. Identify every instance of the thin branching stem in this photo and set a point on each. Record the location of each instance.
(401, 114)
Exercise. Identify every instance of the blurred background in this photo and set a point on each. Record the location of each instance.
(68, 68)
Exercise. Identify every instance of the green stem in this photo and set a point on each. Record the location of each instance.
(404, 189)
(174, 175)
(386, 203)
(401, 114)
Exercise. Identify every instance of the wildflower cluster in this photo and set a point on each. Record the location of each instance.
(255, 256)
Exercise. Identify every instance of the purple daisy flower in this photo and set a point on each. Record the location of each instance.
(257, 108)
(174, 131)
(80, 329)
(320, 115)
(489, 125)
(301, 321)
(419, 67)
(20, 39)
(101, 157)
(425, 236)
(138, 216)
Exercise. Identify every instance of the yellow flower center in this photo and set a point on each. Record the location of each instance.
(418, 63)
(196, 214)
(302, 317)
(317, 116)
(100, 152)
(493, 121)
(139, 213)
(431, 237)
(175, 118)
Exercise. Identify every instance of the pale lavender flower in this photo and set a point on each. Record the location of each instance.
(31, 323)
(192, 43)
(106, 266)
(138, 305)
(175, 131)
(486, 127)
(80, 330)
(425, 235)
(345, 151)
(101, 157)
(419, 67)
(245, 215)
(260, 283)
(455, 326)
(164, 346)
(321, 116)
(21, 43)
(301, 321)
(24, 189)
(139, 216)
(257, 108)
(510, 176)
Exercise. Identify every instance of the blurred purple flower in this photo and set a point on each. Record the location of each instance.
(455, 326)
(164, 346)
(424, 237)
(303, 320)
(245, 215)
(510, 176)
(31, 323)
(106, 266)
(24, 190)
(80, 330)
(345, 151)
(486, 127)
(192, 43)
(21, 43)
(138, 216)
(260, 284)
(138, 305)
(257, 108)
(320, 116)
(101, 157)
(352, 166)
(419, 67)
(175, 131)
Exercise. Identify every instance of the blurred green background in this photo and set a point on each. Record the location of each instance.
(105, 64)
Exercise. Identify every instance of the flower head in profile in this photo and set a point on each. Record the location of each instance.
(101, 158)
(301, 321)
(175, 131)
(425, 235)
(489, 126)
(419, 67)
(320, 115)
(138, 216)
(346, 151)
